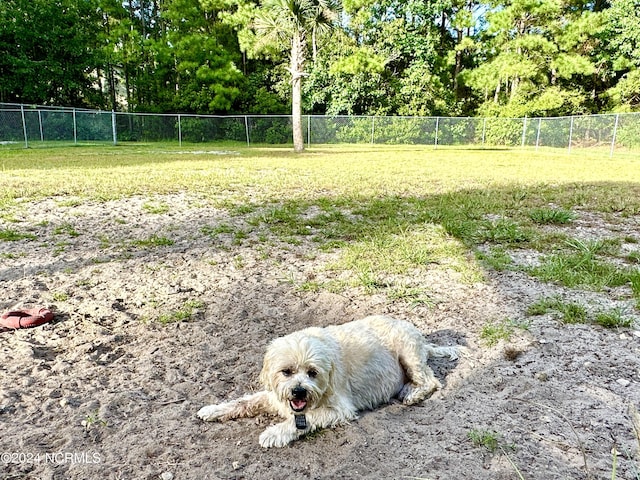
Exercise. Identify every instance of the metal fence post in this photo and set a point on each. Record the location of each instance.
(114, 130)
(24, 127)
(75, 128)
(615, 133)
(484, 129)
(435, 143)
(524, 130)
(538, 133)
(179, 130)
(40, 125)
(373, 129)
(308, 130)
(570, 133)
(246, 129)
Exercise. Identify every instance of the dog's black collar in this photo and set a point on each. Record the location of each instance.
(301, 421)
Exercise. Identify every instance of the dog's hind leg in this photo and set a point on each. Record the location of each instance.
(421, 380)
(247, 406)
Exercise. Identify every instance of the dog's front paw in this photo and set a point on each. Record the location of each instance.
(211, 413)
(276, 436)
(412, 394)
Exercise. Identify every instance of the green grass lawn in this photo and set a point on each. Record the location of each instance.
(390, 209)
(360, 171)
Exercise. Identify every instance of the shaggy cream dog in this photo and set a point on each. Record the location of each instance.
(320, 377)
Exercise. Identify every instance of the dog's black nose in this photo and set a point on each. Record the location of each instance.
(299, 393)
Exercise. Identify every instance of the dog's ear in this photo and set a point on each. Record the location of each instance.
(337, 376)
(266, 376)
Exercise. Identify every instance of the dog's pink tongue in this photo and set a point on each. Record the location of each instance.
(298, 404)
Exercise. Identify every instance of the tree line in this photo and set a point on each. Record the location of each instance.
(510, 58)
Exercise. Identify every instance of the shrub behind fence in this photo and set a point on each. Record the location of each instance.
(30, 126)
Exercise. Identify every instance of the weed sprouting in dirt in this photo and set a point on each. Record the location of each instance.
(494, 332)
(502, 231)
(484, 438)
(7, 235)
(614, 318)
(60, 296)
(585, 265)
(551, 216)
(496, 257)
(572, 312)
(153, 241)
(66, 229)
(156, 208)
(188, 310)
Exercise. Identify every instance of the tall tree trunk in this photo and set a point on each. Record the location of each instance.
(127, 87)
(297, 63)
(515, 84)
(443, 28)
(314, 45)
(458, 66)
(112, 87)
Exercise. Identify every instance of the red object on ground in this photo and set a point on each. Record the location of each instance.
(26, 318)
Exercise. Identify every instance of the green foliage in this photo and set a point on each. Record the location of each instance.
(543, 306)
(363, 60)
(211, 82)
(274, 130)
(502, 131)
(422, 93)
(627, 94)
(536, 64)
(509, 59)
(622, 21)
(344, 81)
(48, 51)
(262, 100)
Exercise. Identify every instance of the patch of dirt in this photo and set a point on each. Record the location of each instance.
(107, 391)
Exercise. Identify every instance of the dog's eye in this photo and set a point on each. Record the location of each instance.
(287, 372)
(312, 373)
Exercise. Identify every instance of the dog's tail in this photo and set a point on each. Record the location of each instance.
(453, 352)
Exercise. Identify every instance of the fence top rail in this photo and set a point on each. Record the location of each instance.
(30, 107)
(191, 115)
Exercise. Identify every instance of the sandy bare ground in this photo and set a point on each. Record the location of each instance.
(106, 391)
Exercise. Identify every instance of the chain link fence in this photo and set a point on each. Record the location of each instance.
(33, 126)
